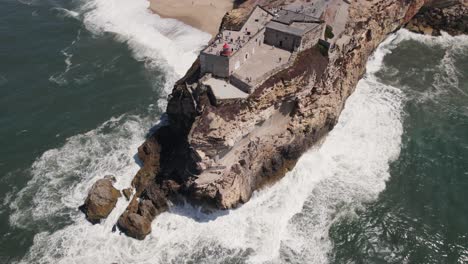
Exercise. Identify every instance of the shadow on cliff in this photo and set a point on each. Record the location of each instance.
(163, 121)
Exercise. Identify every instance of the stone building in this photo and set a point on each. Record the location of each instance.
(242, 43)
(293, 31)
(265, 41)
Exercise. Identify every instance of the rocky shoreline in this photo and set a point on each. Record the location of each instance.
(218, 153)
(447, 16)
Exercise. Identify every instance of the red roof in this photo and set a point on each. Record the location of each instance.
(226, 46)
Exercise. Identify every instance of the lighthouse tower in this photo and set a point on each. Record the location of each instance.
(226, 50)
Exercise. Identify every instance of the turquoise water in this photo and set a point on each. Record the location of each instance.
(82, 82)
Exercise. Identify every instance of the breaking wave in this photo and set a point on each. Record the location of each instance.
(61, 177)
(165, 43)
(445, 74)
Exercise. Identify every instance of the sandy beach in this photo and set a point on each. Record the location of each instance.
(205, 15)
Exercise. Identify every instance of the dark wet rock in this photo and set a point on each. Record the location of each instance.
(127, 193)
(149, 154)
(143, 177)
(147, 209)
(133, 205)
(136, 220)
(134, 225)
(438, 16)
(100, 201)
(157, 196)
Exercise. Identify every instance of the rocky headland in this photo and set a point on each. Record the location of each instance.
(217, 153)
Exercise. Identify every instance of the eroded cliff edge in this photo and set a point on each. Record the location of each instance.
(219, 152)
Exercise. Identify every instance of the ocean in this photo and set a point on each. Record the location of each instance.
(83, 81)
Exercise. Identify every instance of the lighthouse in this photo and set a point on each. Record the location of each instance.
(226, 50)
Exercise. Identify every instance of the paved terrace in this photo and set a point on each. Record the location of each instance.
(313, 9)
(265, 59)
(288, 17)
(237, 39)
(224, 90)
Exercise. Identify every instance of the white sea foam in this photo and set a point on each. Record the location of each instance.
(165, 43)
(289, 220)
(61, 177)
(67, 13)
(446, 74)
(61, 78)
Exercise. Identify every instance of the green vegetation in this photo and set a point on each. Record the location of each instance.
(329, 32)
(323, 49)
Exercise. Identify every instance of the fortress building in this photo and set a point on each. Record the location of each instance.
(265, 42)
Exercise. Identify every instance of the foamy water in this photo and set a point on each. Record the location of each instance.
(289, 220)
(446, 80)
(159, 42)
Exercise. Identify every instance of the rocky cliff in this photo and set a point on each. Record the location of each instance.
(219, 153)
(450, 16)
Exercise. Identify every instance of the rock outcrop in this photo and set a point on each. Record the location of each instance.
(149, 200)
(450, 16)
(236, 147)
(219, 153)
(101, 200)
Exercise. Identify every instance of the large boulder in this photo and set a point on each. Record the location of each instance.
(136, 220)
(134, 225)
(100, 201)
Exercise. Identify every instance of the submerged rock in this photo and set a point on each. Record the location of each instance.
(100, 201)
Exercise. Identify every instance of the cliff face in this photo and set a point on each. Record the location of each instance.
(218, 154)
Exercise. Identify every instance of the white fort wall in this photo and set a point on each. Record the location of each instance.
(222, 66)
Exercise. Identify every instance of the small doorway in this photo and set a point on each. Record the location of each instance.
(281, 43)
